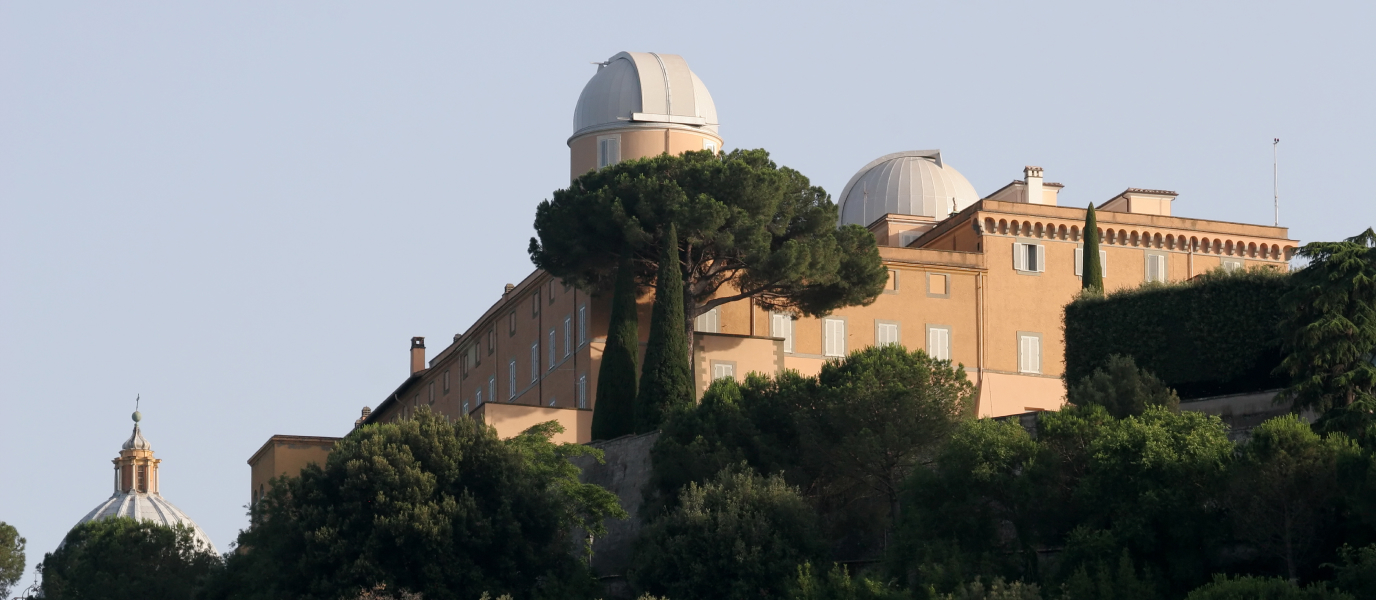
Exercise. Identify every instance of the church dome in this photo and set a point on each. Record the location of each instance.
(906, 183)
(136, 490)
(644, 88)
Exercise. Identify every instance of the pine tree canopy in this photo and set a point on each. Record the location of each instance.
(746, 227)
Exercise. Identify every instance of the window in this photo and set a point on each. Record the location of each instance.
(568, 336)
(885, 333)
(476, 350)
(491, 341)
(511, 323)
(492, 387)
(834, 337)
(534, 362)
(552, 349)
(1029, 352)
(582, 325)
(465, 407)
(535, 304)
(143, 479)
(511, 380)
(709, 322)
(1231, 265)
(1080, 262)
(710, 146)
(781, 326)
(1156, 267)
(608, 150)
(446, 382)
(723, 369)
(432, 393)
(1029, 257)
(478, 397)
(907, 237)
(939, 342)
(582, 391)
(551, 291)
(938, 285)
(891, 287)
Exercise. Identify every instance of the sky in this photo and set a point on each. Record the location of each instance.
(243, 211)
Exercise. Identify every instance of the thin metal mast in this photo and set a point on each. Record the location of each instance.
(1275, 180)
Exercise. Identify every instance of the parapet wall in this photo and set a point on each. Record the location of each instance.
(625, 473)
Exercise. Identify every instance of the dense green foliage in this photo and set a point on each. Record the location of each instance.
(666, 382)
(1263, 588)
(747, 228)
(11, 558)
(613, 412)
(1330, 329)
(1217, 333)
(1122, 388)
(1091, 271)
(847, 438)
(427, 505)
(839, 584)
(126, 559)
(738, 535)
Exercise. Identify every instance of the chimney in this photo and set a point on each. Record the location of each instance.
(1033, 177)
(366, 411)
(507, 289)
(417, 355)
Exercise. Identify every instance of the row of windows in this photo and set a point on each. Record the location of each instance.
(609, 149)
(834, 335)
(1032, 258)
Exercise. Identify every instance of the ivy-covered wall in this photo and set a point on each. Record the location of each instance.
(1215, 334)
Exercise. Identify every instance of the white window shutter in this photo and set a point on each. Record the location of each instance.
(1041, 258)
(1036, 354)
(1019, 257)
(1103, 263)
(1079, 261)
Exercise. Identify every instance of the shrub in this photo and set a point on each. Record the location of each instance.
(1123, 389)
(1262, 588)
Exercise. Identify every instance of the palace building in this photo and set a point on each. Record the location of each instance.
(979, 280)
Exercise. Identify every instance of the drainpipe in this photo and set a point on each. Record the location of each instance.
(979, 339)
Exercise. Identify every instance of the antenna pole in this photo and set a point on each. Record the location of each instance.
(1275, 179)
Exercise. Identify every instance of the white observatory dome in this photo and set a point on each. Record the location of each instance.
(644, 87)
(905, 183)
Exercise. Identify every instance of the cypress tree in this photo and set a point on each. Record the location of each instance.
(1092, 273)
(666, 381)
(613, 415)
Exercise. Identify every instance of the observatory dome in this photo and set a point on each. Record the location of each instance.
(906, 183)
(644, 87)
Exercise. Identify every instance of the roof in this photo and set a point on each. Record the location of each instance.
(915, 182)
(147, 507)
(644, 88)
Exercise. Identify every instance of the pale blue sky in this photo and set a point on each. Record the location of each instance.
(244, 211)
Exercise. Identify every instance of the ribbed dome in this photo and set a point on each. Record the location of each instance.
(136, 441)
(905, 183)
(644, 87)
(147, 507)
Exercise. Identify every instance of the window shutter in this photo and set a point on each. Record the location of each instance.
(534, 362)
(1019, 257)
(1103, 263)
(1036, 355)
(1024, 353)
(1041, 258)
(1079, 261)
(511, 379)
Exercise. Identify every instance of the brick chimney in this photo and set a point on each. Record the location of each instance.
(417, 355)
(1033, 177)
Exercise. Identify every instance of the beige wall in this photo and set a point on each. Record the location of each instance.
(511, 419)
(746, 354)
(637, 142)
(285, 455)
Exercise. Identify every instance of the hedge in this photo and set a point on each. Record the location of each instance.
(1215, 334)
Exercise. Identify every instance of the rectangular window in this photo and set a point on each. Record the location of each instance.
(907, 237)
(582, 391)
(552, 349)
(582, 325)
(491, 341)
(938, 285)
(1080, 262)
(465, 407)
(535, 304)
(608, 150)
(492, 387)
(709, 322)
(1156, 267)
(723, 370)
(568, 336)
(446, 382)
(1029, 257)
(478, 397)
(551, 291)
(892, 286)
(781, 326)
(1029, 352)
(553, 400)
(709, 146)
(511, 323)
(885, 333)
(1230, 265)
(939, 342)
(432, 393)
(834, 337)
(534, 362)
(476, 349)
(511, 380)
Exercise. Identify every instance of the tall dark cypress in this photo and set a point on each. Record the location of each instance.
(1091, 271)
(613, 415)
(667, 380)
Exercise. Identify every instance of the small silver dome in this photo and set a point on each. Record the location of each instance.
(644, 87)
(147, 507)
(905, 183)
